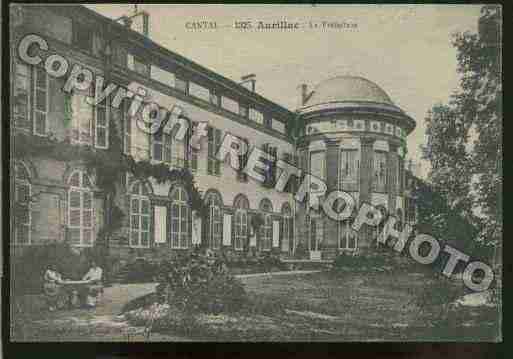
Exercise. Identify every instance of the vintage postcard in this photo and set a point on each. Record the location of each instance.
(254, 172)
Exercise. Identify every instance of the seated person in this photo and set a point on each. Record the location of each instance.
(52, 287)
(93, 277)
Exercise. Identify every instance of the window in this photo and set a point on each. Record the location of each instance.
(193, 153)
(40, 101)
(82, 36)
(318, 164)
(270, 174)
(140, 140)
(268, 122)
(162, 76)
(243, 110)
(21, 97)
(241, 221)
(229, 104)
(278, 125)
(214, 99)
(101, 122)
(286, 228)
(347, 236)
(266, 230)
(22, 195)
(291, 185)
(214, 141)
(199, 91)
(180, 218)
(349, 170)
(82, 118)
(256, 116)
(400, 175)
(315, 230)
(139, 215)
(380, 171)
(80, 209)
(214, 221)
(181, 85)
(162, 147)
(243, 160)
(138, 65)
(178, 153)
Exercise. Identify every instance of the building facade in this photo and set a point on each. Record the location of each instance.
(354, 138)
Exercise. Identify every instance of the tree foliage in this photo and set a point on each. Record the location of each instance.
(464, 143)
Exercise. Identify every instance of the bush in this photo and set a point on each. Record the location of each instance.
(200, 283)
(139, 271)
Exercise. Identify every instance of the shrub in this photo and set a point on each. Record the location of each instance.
(139, 271)
(200, 284)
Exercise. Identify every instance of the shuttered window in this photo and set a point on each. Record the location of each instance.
(214, 221)
(22, 195)
(162, 147)
(180, 218)
(101, 122)
(82, 119)
(80, 209)
(21, 98)
(139, 216)
(240, 222)
(40, 101)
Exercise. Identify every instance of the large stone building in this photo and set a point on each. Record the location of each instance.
(355, 139)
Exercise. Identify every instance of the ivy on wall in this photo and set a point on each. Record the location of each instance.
(107, 165)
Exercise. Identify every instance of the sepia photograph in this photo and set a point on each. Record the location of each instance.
(253, 173)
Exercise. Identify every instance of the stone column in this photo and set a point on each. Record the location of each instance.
(366, 169)
(332, 163)
(392, 163)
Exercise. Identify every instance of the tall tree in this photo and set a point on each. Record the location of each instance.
(465, 136)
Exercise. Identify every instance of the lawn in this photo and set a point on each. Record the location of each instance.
(322, 306)
(353, 306)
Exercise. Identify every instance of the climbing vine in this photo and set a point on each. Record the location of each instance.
(107, 165)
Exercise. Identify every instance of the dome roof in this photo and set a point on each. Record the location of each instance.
(348, 89)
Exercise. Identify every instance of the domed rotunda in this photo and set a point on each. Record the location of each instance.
(354, 139)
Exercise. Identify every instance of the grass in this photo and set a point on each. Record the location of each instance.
(325, 306)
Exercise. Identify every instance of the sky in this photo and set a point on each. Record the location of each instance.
(405, 49)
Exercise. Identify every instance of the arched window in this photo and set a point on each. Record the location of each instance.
(266, 231)
(214, 220)
(286, 228)
(80, 209)
(241, 206)
(22, 194)
(139, 215)
(180, 218)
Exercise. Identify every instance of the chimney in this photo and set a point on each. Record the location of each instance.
(139, 21)
(248, 82)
